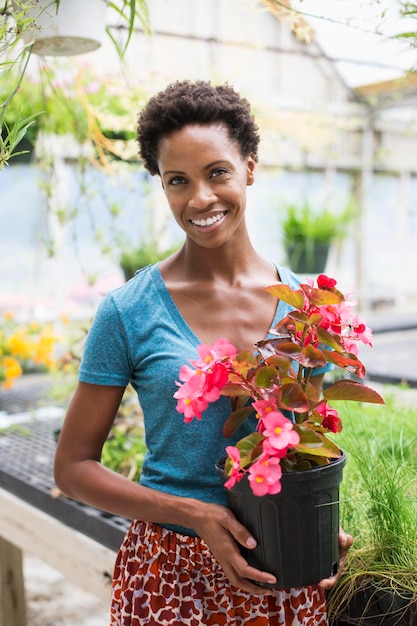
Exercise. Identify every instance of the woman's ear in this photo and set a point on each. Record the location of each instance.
(250, 170)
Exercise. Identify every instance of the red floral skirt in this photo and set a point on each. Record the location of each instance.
(163, 578)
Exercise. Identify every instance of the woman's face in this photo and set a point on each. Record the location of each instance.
(204, 177)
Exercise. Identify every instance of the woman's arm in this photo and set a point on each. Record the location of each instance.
(80, 475)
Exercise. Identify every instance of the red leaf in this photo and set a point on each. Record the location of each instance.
(236, 419)
(352, 390)
(346, 361)
(312, 357)
(320, 297)
(276, 346)
(294, 398)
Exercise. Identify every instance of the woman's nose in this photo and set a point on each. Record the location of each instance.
(202, 195)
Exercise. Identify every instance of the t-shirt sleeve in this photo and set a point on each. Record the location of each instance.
(106, 356)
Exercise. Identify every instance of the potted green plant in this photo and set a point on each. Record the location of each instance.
(19, 22)
(18, 121)
(308, 234)
(378, 586)
(59, 110)
(148, 253)
(289, 462)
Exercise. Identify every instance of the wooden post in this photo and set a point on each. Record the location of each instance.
(12, 587)
(82, 560)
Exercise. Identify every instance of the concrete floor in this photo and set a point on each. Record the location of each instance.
(52, 601)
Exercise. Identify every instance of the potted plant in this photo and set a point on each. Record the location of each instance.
(288, 452)
(59, 110)
(19, 98)
(19, 22)
(378, 586)
(71, 27)
(308, 234)
(148, 253)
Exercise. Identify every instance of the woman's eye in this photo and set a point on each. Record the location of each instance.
(219, 171)
(176, 180)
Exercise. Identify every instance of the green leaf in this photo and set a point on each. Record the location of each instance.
(245, 361)
(309, 438)
(352, 390)
(304, 319)
(299, 316)
(315, 443)
(250, 448)
(130, 11)
(236, 419)
(265, 377)
(328, 339)
(288, 295)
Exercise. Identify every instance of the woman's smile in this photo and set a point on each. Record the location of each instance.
(208, 221)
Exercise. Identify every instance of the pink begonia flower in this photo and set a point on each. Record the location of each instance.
(221, 349)
(264, 476)
(271, 451)
(363, 332)
(331, 420)
(236, 474)
(186, 372)
(191, 399)
(350, 345)
(279, 431)
(217, 377)
(263, 407)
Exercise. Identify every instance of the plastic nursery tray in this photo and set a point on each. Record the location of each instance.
(26, 470)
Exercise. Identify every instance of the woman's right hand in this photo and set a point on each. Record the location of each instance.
(222, 532)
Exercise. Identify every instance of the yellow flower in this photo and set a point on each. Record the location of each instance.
(9, 370)
(25, 346)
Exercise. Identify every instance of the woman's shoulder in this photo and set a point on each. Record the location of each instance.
(135, 286)
(124, 300)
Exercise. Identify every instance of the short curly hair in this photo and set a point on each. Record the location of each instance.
(200, 102)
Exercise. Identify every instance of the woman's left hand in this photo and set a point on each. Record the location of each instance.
(345, 541)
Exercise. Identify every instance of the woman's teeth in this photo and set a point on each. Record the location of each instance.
(209, 221)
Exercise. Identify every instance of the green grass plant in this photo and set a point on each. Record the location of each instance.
(379, 498)
(301, 223)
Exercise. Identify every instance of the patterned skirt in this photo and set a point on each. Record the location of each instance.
(163, 578)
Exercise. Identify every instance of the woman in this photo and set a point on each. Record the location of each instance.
(180, 562)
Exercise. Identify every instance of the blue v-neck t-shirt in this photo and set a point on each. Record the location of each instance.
(138, 336)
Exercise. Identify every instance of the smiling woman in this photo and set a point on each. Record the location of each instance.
(180, 562)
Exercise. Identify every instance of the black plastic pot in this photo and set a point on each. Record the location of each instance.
(370, 606)
(297, 530)
(308, 259)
